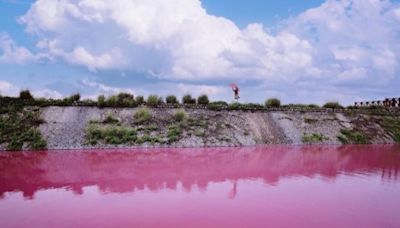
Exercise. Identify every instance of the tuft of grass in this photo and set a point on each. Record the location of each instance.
(110, 120)
(142, 115)
(110, 135)
(313, 138)
(352, 137)
(180, 115)
(273, 103)
(392, 125)
(174, 133)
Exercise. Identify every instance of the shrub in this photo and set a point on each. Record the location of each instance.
(142, 115)
(25, 95)
(125, 100)
(187, 99)
(352, 136)
(101, 100)
(217, 105)
(74, 98)
(112, 101)
(111, 120)
(180, 115)
(153, 100)
(171, 99)
(273, 103)
(174, 133)
(203, 99)
(332, 105)
(313, 138)
(139, 100)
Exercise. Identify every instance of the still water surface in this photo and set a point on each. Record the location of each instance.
(355, 186)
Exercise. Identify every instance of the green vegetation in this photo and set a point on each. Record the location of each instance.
(310, 120)
(273, 103)
(142, 115)
(171, 99)
(313, 138)
(19, 128)
(111, 120)
(111, 135)
(153, 100)
(217, 105)
(174, 133)
(392, 125)
(352, 137)
(334, 105)
(203, 100)
(180, 115)
(25, 95)
(140, 100)
(187, 99)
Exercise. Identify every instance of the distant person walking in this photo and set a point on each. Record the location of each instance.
(235, 90)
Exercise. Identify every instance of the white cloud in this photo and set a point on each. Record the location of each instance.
(6, 88)
(47, 93)
(341, 42)
(10, 52)
(178, 39)
(102, 89)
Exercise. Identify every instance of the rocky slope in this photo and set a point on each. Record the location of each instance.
(84, 127)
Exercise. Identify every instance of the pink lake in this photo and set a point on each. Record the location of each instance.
(352, 186)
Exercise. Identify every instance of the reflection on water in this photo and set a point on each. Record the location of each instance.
(273, 183)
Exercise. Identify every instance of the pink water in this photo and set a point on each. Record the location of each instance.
(356, 186)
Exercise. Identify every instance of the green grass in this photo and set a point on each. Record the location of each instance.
(20, 127)
(180, 115)
(392, 125)
(313, 138)
(111, 120)
(111, 135)
(352, 137)
(142, 115)
(174, 133)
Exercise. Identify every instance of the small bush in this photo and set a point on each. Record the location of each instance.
(125, 100)
(174, 133)
(101, 100)
(187, 99)
(171, 99)
(352, 137)
(180, 115)
(203, 100)
(334, 105)
(313, 138)
(110, 120)
(139, 100)
(273, 103)
(153, 100)
(112, 101)
(142, 115)
(74, 98)
(25, 95)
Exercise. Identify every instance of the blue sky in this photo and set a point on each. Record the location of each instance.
(309, 51)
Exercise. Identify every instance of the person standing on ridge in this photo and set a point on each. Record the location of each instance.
(235, 90)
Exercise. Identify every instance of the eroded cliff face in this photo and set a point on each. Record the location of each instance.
(90, 127)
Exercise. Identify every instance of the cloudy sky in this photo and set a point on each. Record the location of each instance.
(308, 51)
